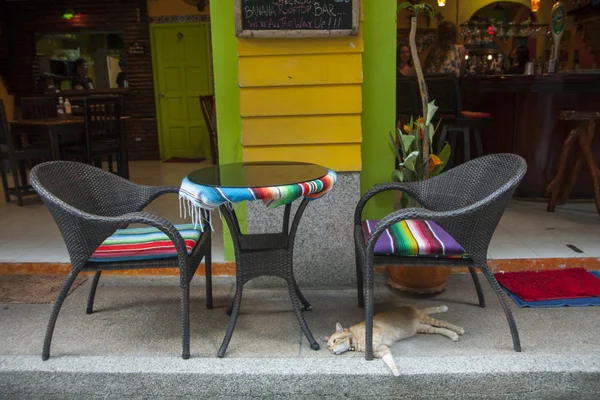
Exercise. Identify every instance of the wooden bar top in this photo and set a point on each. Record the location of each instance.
(563, 82)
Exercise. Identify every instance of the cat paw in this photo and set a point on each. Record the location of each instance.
(460, 331)
(454, 337)
(396, 372)
(443, 308)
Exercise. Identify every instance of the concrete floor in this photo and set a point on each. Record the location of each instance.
(136, 329)
(140, 316)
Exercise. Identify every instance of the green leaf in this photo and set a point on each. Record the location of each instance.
(407, 141)
(398, 176)
(444, 156)
(405, 5)
(410, 160)
(396, 149)
(431, 110)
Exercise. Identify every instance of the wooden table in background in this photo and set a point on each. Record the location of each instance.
(56, 127)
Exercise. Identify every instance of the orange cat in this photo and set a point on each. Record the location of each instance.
(389, 327)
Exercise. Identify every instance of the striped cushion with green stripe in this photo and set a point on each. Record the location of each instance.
(135, 244)
(414, 238)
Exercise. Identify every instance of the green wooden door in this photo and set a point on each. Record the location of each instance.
(182, 73)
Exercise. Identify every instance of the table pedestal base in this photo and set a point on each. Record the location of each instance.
(266, 255)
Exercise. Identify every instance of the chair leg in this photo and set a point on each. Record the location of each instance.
(359, 281)
(369, 312)
(477, 286)
(306, 306)
(478, 141)
(504, 303)
(4, 180)
(185, 319)
(92, 295)
(110, 164)
(237, 301)
(453, 150)
(17, 183)
(55, 310)
(208, 274)
(467, 144)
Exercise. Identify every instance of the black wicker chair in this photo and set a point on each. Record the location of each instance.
(89, 205)
(467, 202)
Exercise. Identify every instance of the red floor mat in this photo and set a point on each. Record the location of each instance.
(551, 285)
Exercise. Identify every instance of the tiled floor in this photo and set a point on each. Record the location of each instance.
(28, 234)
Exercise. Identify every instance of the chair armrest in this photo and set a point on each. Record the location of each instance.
(158, 191)
(410, 188)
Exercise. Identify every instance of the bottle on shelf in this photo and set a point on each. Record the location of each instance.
(60, 109)
(68, 109)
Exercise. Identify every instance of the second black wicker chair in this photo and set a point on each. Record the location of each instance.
(466, 202)
(89, 205)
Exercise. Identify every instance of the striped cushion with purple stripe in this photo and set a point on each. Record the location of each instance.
(414, 238)
(136, 244)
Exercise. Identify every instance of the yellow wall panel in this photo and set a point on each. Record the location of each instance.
(275, 131)
(293, 70)
(301, 100)
(338, 157)
(283, 46)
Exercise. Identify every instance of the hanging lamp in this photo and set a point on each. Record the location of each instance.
(535, 5)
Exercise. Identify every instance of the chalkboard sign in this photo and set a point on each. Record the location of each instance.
(296, 18)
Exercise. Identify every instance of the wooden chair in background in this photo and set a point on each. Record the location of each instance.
(207, 103)
(18, 158)
(38, 107)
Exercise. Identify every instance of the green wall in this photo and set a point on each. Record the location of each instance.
(379, 102)
(227, 97)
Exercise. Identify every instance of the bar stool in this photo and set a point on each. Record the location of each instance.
(580, 138)
(444, 89)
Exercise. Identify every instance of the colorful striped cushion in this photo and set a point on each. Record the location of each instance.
(135, 244)
(414, 238)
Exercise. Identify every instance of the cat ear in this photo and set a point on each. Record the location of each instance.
(338, 328)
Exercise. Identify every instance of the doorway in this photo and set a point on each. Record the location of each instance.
(182, 72)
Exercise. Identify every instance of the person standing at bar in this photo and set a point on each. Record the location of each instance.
(445, 56)
(518, 56)
(404, 62)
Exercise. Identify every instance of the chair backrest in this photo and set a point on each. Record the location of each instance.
(72, 191)
(102, 118)
(487, 181)
(407, 97)
(444, 89)
(38, 107)
(207, 104)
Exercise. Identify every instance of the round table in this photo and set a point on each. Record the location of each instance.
(269, 254)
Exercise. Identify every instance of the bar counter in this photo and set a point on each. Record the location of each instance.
(525, 111)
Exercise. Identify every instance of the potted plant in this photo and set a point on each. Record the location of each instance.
(416, 161)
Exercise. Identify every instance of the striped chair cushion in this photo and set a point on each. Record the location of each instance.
(414, 238)
(135, 244)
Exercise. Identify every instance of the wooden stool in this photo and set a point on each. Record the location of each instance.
(583, 134)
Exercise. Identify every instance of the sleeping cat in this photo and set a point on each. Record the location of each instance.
(389, 327)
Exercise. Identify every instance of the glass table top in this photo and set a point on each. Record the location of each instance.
(259, 174)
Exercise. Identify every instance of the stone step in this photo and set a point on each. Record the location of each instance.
(518, 376)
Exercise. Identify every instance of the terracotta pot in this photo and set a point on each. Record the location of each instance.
(420, 280)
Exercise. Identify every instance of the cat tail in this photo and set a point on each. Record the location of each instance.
(434, 310)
